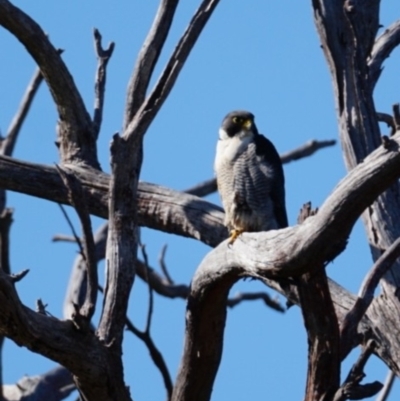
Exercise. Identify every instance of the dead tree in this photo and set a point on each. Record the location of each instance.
(292, 261)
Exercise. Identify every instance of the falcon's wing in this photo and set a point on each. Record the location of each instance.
(266, 151)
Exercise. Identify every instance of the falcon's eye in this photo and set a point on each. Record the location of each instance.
(237, 120)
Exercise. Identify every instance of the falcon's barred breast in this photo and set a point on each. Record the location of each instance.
(250, 177)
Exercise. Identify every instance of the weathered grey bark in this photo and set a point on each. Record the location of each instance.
(347, 31)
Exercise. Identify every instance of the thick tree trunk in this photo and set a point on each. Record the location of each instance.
(348, 31)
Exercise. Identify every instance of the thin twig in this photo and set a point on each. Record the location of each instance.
(253, 296)
(387, 386)
(164, 269)
(155, 355)
(148, 56)
(348, 329)
(77, 199)
(103, 56)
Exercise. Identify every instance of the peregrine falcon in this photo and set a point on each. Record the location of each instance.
(249, 177)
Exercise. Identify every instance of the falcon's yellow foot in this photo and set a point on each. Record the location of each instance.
(234, 234)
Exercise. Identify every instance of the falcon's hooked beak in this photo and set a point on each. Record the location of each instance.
(247, 124)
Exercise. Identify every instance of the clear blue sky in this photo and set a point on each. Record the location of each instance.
(263, 56)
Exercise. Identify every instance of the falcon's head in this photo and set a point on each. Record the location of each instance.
(238, 123)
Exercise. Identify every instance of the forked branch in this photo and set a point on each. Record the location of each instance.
(152, 104)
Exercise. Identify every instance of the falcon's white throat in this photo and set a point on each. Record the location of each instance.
(229, 148)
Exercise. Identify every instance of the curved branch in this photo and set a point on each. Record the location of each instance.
(77, 142)
(276, 254)
(383, 46)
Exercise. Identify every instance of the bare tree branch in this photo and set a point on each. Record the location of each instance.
(103, 57)
(155, 354)
(148, 57)
(78, 200)
(348, 329)
(383, 46)
(15, 277)
(163, 265)
(8, 144)
(122, 242)
(76, 289)
(145, 335)
(203, 188)
(63, 238)
(252, 296)
(75, 129)
(151, 298)
(306, 150)
(159, 207)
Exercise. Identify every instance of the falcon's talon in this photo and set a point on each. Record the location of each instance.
(234, 235)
